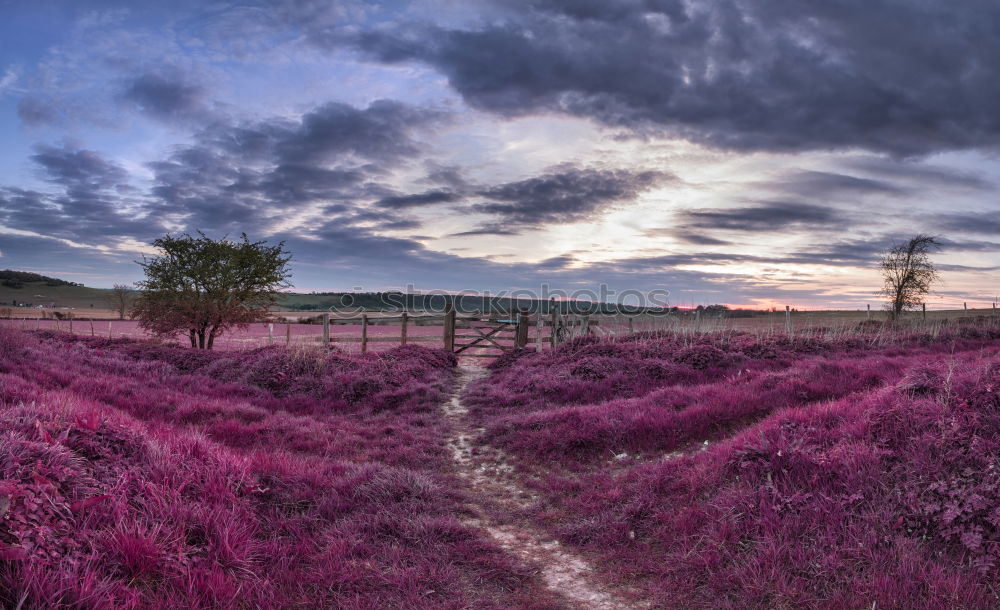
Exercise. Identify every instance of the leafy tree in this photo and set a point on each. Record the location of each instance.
(120, 298)
(203, 286)
(908, 273)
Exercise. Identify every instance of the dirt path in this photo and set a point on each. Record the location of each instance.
(489, 475)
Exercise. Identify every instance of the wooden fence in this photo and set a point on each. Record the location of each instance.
(486, 335)
(469, 334)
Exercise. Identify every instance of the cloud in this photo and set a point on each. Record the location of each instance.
(927, 175)
(231, 176)
(567, 194)
(77, 169)
(8, 80)
(906, 79)
(334, 155)
(561, 194)
(92, 202)
(165, 96)
(488, 229)
(381, 132)
(417, 200)
(975, 223)
(769, 216)
(50, 256)
(33, 111)
(352, 252)
(967, 245)
(689, 237)
(830, 185)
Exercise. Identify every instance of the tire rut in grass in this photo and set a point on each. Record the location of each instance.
(495, 490)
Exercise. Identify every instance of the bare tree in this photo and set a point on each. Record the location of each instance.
(908, 273)
(120, 299)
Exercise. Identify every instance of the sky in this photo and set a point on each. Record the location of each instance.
(747, 152)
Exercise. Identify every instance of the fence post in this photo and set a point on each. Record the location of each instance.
(868, 315)
(364, 333)
(631, 325)
(788, 319)
(71, 326)
(585, 326)
(539, 329)
(965, 308)
(270, 333)
(402, 328)
(449, 328)
(326, 330)
(521, 336)
(697, 320)
(109, 330)
(923, 307)
(552, 338)
(288, 334)
(91, 327)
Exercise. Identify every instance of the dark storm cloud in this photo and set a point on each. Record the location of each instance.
(976, 223)
(966, 245)
(235, 175)
(769, 216)
(417, 200)
(924, 174)
(689, 237)
(565, 195)
(400, 225)
(450, 177)
(93, 199)
(380, 133)
(229, 178)
(166, 95)
(901, 78)
(77, 169)
(830, 185)
(489, 229)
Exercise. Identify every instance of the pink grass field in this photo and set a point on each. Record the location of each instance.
(137, 475)
(739, 471)
(714, 470)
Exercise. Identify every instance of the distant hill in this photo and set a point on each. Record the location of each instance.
(18, 279)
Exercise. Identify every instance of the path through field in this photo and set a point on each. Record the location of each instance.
(494, 493)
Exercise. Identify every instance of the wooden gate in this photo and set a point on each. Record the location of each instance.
(469, 335)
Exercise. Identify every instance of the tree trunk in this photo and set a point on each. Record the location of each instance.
(194, 343)
(211, 337)
(201, 338)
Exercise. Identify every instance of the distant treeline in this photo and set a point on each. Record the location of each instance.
(399, 301)
(17, 279)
